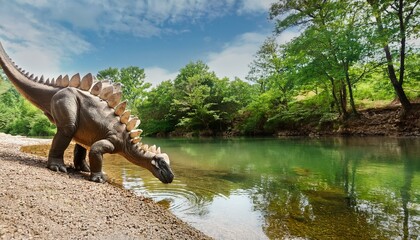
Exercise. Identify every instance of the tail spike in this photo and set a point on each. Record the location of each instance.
(41, 80)
(36, 79)
(158, 151)
(31, 77)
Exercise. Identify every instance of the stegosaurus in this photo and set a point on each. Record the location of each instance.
(91, 113)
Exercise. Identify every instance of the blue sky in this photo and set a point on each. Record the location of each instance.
(53, 37)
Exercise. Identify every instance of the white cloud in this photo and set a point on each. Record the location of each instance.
(156, 75)
(43, 34)
(414, 42)
(30, 42)
(250, 6)
(234, 59)
(143, 18)
(288, 35)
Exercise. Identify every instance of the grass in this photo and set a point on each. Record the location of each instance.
(368, 103)
(4, 86)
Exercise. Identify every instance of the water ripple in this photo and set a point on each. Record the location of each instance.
(177, 197)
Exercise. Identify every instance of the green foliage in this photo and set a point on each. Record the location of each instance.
(41, 126)
(254, 116)
(18, 116)
(412, 80)
(334, 67)
(132, 79)
(4, 83)
(155, 110)
(196, 101)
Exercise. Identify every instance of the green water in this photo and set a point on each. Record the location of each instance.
(333, 188)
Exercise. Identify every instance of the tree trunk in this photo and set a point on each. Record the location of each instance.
(397, 84)
(343, 99)
(334, 94)
(405, 103)
(353, 106)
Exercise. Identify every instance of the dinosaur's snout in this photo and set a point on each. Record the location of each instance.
(162, 170)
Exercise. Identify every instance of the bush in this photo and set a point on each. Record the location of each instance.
(20, 117)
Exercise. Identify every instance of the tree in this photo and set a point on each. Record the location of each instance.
(202, 101)
(133, 80)
(268, 71)
(190, 70)
(26, 120)
(155, 109)
(396, 21)
(194, 97)
(2, 76)
(334, 40)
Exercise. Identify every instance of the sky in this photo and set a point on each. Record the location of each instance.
(53, 37)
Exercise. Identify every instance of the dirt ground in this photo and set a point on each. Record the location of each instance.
(380, 121)
(36, 203)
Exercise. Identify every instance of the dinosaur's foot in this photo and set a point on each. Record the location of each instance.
(82, 166)
(57, 165)
(99, 177)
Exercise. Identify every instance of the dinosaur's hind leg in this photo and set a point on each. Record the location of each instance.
(64, 111)
(80, 163)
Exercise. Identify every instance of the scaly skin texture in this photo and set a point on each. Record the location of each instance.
(90, 113)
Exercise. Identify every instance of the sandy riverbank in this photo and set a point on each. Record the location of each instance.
(36, 203)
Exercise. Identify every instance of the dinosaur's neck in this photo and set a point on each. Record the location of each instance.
(37, 93)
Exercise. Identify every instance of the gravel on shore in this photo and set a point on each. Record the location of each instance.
(36, 203)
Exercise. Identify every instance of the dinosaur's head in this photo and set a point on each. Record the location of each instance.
(153, 160)
(138, 153)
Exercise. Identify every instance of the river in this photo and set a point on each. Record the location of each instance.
(291, 188)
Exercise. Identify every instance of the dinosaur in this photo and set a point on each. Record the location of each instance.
(91, 113)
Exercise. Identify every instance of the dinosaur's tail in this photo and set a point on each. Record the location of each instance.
(32, 88)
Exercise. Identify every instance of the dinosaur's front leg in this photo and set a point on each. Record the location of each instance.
(95, 159)
(80, 163)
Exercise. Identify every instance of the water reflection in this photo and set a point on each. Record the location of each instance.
(338, 188)
(333, 188)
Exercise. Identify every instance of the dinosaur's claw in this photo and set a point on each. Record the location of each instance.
(98, 177)
(57, 167)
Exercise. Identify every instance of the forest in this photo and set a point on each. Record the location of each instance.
(349, 56)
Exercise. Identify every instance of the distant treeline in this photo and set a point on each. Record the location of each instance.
(349, 55)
